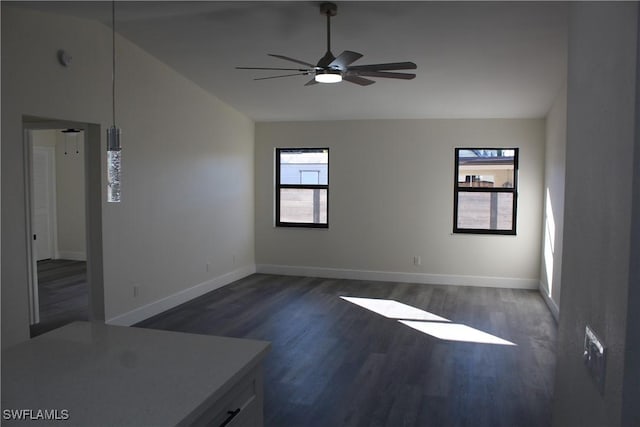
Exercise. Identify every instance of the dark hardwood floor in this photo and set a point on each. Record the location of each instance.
(334, 363)
(63, 294)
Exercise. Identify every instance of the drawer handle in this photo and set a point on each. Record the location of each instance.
(232, 415)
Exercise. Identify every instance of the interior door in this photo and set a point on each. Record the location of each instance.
(43, 202)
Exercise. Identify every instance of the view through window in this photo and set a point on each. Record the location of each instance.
(485, 192)
(302, 187)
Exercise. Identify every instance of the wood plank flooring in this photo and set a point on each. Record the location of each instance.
(334, 363)
(63, 294)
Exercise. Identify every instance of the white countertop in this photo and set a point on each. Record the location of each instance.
(121, 376)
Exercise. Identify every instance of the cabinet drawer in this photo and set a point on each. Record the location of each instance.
(247, 417)
(241, 406)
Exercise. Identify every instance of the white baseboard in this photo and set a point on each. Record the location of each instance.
(71, 255)
(553, 307)
(388, 276)
(141, 313)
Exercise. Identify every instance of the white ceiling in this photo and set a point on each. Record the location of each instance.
(475, 59)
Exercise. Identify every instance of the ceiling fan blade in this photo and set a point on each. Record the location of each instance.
(311, 82)
(271, 68)
(297, 61)
(284, 75)
(386, 74)
(344, 59)
(358, 80)
(387, 66)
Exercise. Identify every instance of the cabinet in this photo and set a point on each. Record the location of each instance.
(241, 406)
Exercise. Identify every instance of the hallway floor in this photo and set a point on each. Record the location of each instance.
(62, 292)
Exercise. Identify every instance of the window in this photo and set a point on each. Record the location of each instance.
(486, 190)
(302, 187)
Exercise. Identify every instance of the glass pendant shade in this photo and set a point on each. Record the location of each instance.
(114, 164)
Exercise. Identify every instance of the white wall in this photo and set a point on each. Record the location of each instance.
(45, 139)
(70, 182)
(553, 214)
(596, 263)
(69, 190)
(187, 170)
(391, 198)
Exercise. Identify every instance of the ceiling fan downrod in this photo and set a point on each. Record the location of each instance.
(329, 9)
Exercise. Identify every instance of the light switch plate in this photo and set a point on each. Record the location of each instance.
(595, 355)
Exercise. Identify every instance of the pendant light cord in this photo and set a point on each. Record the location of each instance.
(113, 56)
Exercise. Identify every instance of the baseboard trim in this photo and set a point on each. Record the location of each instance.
(71, 255)
(553, 307)
(146, 311)
(388, 276)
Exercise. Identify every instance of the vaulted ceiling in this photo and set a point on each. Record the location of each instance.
(475, 59)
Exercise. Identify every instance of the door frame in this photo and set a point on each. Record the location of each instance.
(94, 194)
(52, 194)
(32, 273)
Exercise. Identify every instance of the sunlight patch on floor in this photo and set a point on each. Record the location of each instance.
(394, 309)
(425, 322)
(455, 332)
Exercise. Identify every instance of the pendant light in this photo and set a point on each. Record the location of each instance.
(114, 149)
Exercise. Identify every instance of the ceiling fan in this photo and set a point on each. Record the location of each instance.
(332, 69)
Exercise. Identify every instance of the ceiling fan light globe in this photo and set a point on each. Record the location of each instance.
(328, 77)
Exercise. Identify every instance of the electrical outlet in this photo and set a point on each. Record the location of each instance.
(208, 267)
(417, 260)
(136, 291)
(595, 357)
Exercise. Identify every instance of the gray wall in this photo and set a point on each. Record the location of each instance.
(596, 262)
(631, 385)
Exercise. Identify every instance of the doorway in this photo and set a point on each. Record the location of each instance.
(44, 213)
(63, 176)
